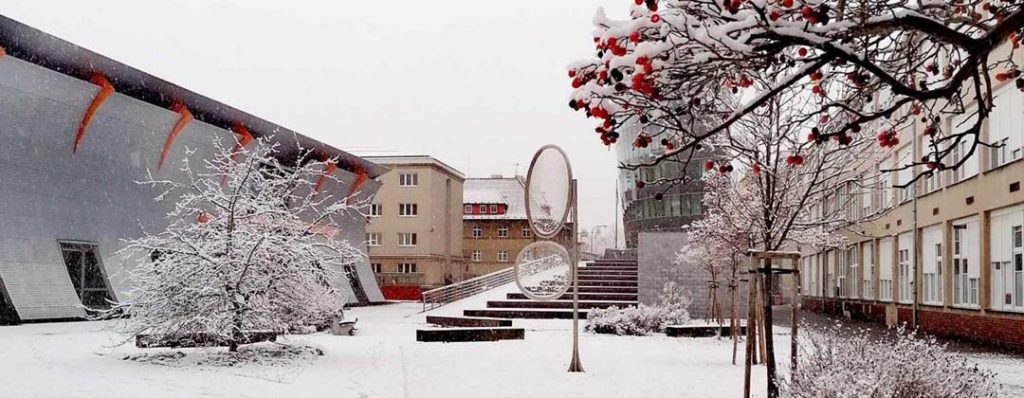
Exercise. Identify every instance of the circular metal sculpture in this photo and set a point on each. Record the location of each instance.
(548, 191)
(543, 270)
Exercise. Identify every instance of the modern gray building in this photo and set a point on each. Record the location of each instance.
(657, 207)
(77, 129)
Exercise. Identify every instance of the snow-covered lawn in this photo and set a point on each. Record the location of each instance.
(382, 360)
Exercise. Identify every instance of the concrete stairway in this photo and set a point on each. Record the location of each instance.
(602, 284)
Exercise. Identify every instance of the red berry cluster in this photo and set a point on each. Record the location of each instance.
(794, 160)
(887, 138)
(642, 140)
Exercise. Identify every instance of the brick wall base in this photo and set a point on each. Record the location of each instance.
(999, 330)
(401, 292)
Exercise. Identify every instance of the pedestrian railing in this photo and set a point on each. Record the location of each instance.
(457, 291)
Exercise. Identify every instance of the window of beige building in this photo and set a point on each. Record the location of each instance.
(885, 269)
(408, 179)
(406, 239)
(407, 209)
(867, 257)
(1006, 127)
(502, 256)
(1007, 259)
(478, 256)
(931, 270)
(503, 231)
(478, 232)
(375, 267)
(407, 268)
(376, 210)
(966, 274)
(373, 239)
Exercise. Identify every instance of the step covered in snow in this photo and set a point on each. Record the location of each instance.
(454, 335)
(459, 321)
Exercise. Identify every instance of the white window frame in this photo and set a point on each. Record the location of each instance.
(408, 210)
(961, 123)
(932, 249)
(483, 209)
(885, 252)
(407, 268)
(407, 239)
(905, 267)
(503, 231)
(1006, 260)
(374, 239)
(376, 267)
(477, 256)
(478, 232)
(867, 257)
(852, 261)
(966, 285)
(468, 209)
(376, 210)
(526, 232)
(1006, 126)
(502, 256)
(408, 179)
(493, 209)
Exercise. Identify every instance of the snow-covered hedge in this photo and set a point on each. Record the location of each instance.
(642, 320)
(837, 362)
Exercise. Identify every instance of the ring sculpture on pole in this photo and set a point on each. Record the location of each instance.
(545, 270)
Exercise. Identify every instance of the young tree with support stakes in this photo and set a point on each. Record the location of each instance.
(251, 247)
(667, 65)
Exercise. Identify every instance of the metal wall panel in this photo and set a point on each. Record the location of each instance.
(47, 194)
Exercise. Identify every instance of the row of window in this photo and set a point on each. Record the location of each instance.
(408, 179)
(875, 192)
(690, 204)
(402, 268)
(478, 232)
(850, 272)
(484, 209)
(405, 239)
(404, 210)
(478, 256)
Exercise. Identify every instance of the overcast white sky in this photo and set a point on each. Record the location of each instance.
(478, 84)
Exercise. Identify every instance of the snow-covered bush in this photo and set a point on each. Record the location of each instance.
(250, 246)
(672, 309)
(838, 362)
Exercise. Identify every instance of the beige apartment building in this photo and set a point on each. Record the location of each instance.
(968, 250)
(414, 237)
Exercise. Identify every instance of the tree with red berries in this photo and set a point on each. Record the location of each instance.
(685, 70)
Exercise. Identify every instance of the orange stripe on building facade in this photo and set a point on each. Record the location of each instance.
(183, 120)
(361, 178)
(2, 52)
(105, 90)
(244, 138)
(329, 167)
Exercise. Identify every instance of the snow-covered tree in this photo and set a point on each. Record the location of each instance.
(250, 246)
(838, 362)
(782, 184)
(686, 70)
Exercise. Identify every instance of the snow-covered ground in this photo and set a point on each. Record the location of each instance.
(382, 360)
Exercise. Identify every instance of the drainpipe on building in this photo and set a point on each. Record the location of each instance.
(915, 313)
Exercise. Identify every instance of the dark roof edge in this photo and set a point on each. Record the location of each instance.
(32, 45)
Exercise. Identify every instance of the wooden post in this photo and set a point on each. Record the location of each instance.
(751, 335)
(794, 306)
(762, 327)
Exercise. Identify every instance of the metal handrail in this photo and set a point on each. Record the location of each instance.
(457, 291)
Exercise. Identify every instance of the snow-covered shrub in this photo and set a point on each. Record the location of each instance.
(250, 247)
(672, 309)
(837, 362)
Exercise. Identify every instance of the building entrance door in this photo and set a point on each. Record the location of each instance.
(86, 272)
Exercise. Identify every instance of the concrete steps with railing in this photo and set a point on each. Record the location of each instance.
(602, 284)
